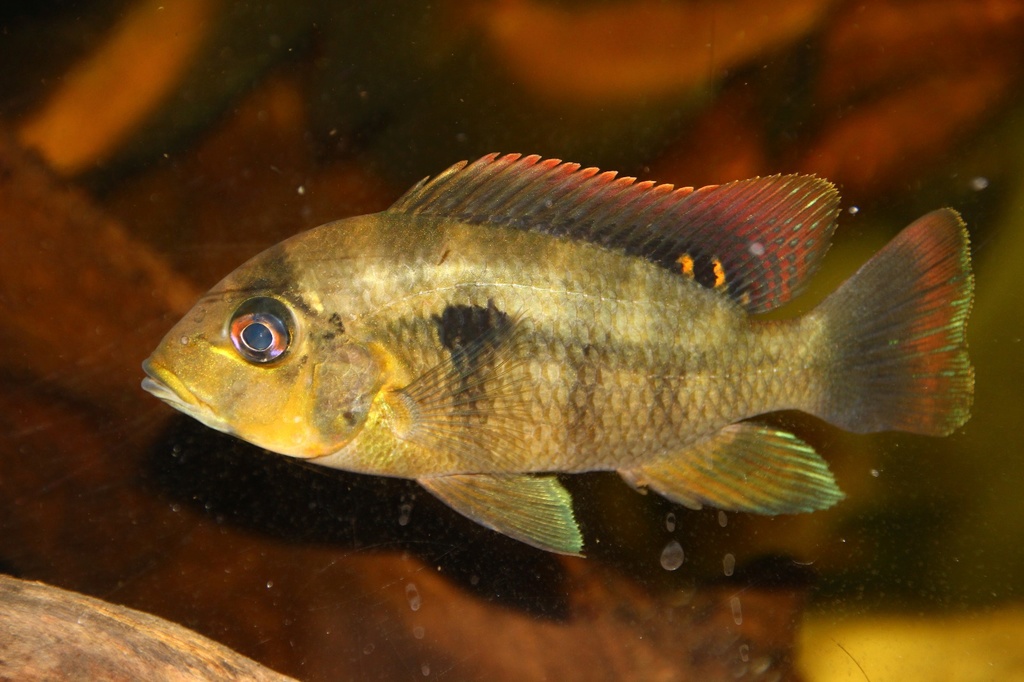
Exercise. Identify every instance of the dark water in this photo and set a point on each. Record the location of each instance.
(168, 143)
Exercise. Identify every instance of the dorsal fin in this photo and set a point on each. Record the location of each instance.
(757, 240)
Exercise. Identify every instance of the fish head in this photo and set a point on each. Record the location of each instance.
(263, 365)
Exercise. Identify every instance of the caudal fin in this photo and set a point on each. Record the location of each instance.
(897, 333)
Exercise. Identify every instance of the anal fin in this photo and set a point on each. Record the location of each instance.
(536, 510)
(744, 467)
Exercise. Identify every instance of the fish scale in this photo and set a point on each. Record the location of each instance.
(618, 426)
(517, 318)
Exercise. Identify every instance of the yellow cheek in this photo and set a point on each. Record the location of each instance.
(282, 426)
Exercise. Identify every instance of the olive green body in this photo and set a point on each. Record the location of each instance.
(518, 318)
(616, 362)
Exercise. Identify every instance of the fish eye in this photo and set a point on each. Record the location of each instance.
(260, 330)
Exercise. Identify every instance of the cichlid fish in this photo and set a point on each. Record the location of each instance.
(516, 318)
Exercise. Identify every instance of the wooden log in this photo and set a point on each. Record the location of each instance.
(47, 633)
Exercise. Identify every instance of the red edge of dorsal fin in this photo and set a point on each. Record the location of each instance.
(756, 240)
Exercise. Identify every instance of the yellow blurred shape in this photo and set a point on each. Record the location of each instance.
(620, 50)
(105, 97)
(958, 648)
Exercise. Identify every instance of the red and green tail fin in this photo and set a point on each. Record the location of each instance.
(897, 333)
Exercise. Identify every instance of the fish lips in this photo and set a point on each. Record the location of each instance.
(166, 386)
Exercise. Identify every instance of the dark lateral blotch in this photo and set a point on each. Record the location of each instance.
(461, 325)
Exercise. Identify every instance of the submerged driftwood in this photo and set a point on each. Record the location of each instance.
(47, 633)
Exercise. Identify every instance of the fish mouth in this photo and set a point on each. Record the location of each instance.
(166, 386)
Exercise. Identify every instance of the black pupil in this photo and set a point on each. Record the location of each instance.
(258, 336)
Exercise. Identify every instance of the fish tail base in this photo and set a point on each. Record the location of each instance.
(897, 330)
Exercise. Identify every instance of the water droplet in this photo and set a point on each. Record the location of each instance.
(419, 631)
(876, 473)
(368, 649)
(403, 514)
(853, 210)
(737, 612)
(722, 519)
(270, 583)
(759, 666)
(183, 340)
(672, 556)
(670, 522)
(744, 652)
(413, 596)
(301, 190)
(425, 669)
(728, 564)
(979, 183)
(756, 249)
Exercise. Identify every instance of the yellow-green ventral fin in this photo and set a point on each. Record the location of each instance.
(536, 510)
(744, 467)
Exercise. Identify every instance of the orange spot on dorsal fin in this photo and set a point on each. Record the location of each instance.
(769, 234)
(719, 271)
(686, 264)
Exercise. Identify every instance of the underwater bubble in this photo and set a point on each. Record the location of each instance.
(722, 519)
(728, 564)
(672, 556)
(670, 522)
(419, 631)
(756, 249)
(368, 649)
(853, 210)
(425, 669)
(876, 473)
(403, 514)
(413, 596)
(759, 666)
(744, 652)
(737, 612)
(979, 183)
(183, 340)
(270, 584)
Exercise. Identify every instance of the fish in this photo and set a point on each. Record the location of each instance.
(517, 319)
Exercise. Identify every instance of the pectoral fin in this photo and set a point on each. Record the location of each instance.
(473, 405)
(744, 467)
(536, 510)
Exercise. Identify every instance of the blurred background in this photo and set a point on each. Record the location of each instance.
(148, 148)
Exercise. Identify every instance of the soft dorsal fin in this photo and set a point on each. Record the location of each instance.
(757, 240)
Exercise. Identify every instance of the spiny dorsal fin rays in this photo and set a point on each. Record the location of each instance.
(767, 234)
